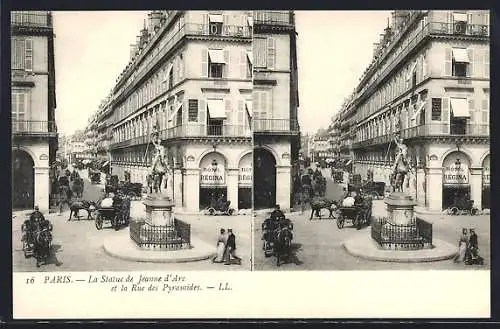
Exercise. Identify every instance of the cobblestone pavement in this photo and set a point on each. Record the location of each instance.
(77, 245)
(317, 244)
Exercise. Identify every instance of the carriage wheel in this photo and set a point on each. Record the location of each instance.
(98, 222)
(375, 195)
(473, 211)
(340, 222)
(211, 211)
(230, 211)
(358, 222)
(116, 223)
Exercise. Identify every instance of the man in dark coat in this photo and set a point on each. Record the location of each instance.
(231, 248)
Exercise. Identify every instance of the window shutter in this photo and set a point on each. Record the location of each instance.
(243, 64)
(486, 63)
(424, 65)
(202, 112)
(181, 67)
(418, 69)
(256, 104)
(485, 111)
(204, 63)
(447, 62)
(228, 112)
(271, 56)
(241, 112)
(445, 106)
(28, 55)
(225, 20)
(472, 65)
(205, 24)
(227, 66)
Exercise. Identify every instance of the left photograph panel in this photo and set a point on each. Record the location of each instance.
(131, 140)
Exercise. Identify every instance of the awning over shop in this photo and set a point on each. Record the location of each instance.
(250, 57)
(460, 17)
(417, 112)
(216, 109)
(460, 55)
(105, 164)
(459, 107)
(178, 107)
(248, 105)
(216, 56)
(348, 162)
(215, 18)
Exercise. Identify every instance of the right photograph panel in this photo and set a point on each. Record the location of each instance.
(371, 140)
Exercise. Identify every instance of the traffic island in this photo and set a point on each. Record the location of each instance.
(159, 237)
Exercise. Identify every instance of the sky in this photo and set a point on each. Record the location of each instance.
(93, 47)
(333, 50)
(91, 50)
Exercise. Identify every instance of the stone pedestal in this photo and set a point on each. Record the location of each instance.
(400, 208)
(159, 214)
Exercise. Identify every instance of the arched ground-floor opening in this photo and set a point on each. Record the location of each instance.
(264, 179)
(213, 181)
(456, 182)
(23, 180)
(245, 179)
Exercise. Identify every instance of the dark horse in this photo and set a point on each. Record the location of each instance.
(282, 244)
(322, 203)
(43, 241)
(78, 205)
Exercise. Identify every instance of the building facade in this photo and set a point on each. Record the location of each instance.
(34, 131)
(275, 102)
(429, 81)
(190, 78)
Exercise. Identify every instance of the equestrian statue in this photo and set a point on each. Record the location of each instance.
(401, 165)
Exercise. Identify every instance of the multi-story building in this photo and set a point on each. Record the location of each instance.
(190, 76)
(34, 132)
(275, 102)
(429, 81)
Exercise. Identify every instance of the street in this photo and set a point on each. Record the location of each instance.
(77, 245)
(317, 243)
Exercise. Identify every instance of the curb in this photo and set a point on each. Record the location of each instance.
(123, 248)
(364, 249)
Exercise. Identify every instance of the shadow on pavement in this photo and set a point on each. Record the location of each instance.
(293, 258)
(53, 257)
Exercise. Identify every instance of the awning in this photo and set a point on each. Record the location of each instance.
(216, 56)
(348, 162)
(250, 21)
(215, 18)
(250, 57)
(459, 107)
(412, 70)
(460, 17)
(460, 55)
(248, 105)
(216, 109)
(105, 164)
(179, 105)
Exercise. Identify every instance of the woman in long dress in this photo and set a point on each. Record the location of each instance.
(221, 246)
(462, 247)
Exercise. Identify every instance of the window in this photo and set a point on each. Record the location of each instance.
(215, 63)
(28, 55)
(460, 62)
(436, 109)
(260, 52)
(193, 110)
(22, 54)
(215, 24)
(249, 65)
(19, 109)
(171, 78)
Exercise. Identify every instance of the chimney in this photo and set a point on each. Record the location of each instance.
(133, 50)
(154, 19)
(144, 35)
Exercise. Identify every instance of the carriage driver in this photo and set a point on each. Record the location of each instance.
(37, 219)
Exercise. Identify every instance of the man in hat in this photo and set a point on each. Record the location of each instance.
(231, 248)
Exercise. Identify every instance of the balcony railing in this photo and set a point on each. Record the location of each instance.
(192, 130)
(36, 18)
(33, 127)
(431, 130)
(273, 17)
(275, 125)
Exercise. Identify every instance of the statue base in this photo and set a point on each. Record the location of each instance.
(401, 230)
(160, 230)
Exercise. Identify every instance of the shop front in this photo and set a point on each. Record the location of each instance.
(456, 180)
(486, 184)
(264, 179)
(23, 180)
(245, 179)
(213, 179)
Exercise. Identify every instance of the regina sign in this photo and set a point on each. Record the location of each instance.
(456, 174)
(213, 175)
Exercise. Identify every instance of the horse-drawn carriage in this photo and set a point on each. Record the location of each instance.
(220, 208)
(359, 215)
(375, 189)
(77, 186)
(37, 241)
(118, 215)
(277, 235)
(463, 206)
(132, 190)
(337, 176)
(95, 176)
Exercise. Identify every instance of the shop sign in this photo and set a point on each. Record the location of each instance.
(456, 173)
(486, 172)
(245, 177)
(44, 157)
(213, 175)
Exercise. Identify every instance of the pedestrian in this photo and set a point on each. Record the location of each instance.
(473, 254)
(462, 247)
(231, 249)
(221, 246)
(64, 197)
